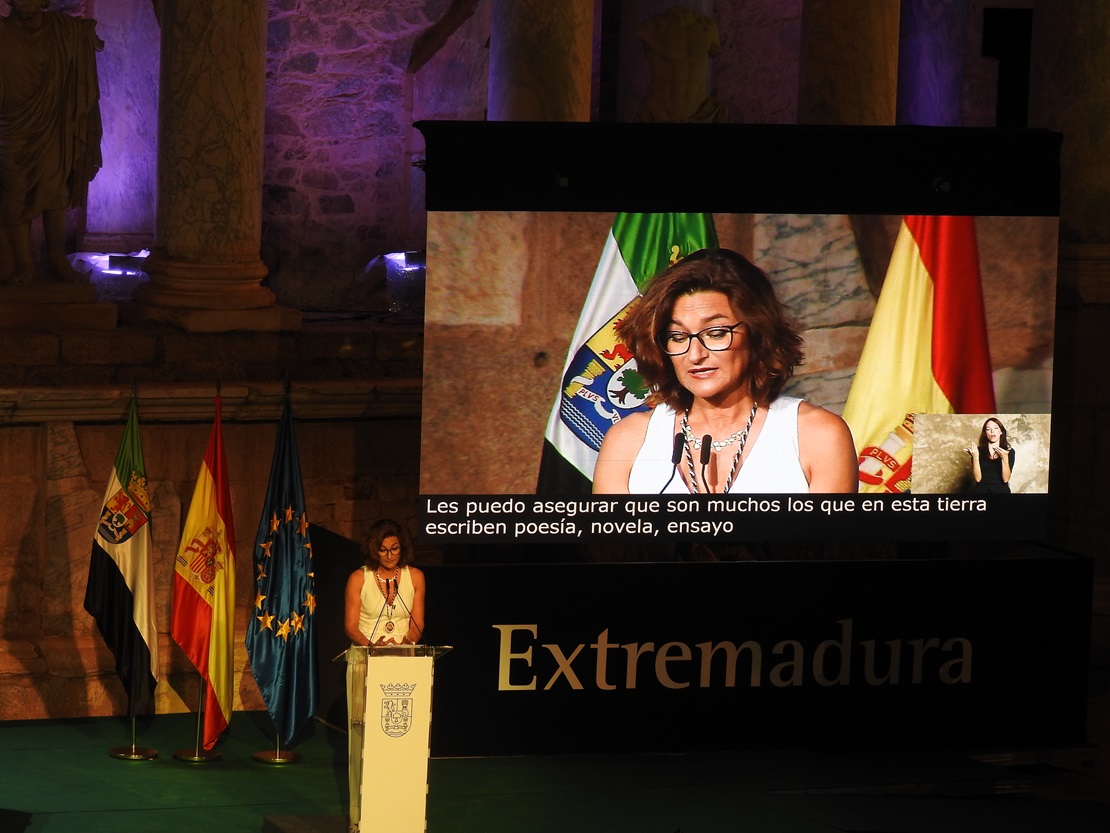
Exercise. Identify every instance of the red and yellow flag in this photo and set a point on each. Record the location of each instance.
(927, 349)
(203, 621)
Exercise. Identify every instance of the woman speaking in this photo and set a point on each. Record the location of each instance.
(716, 347)
(384, 605)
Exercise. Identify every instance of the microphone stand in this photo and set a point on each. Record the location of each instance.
(706, 451)
(419, 628)
(676, 458)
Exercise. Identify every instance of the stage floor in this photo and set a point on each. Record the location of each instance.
(59, 776)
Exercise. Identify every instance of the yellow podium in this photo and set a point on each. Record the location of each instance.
(389, 747)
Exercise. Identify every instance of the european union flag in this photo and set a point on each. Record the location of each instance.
(281, 637)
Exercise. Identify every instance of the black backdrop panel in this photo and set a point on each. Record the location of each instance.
(984, 653)
(335, 558)
(545, 166)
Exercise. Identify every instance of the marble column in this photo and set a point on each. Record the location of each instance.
(205, 268)
(932, 54)
(541, 54)
(1069, 92)
(849, 72)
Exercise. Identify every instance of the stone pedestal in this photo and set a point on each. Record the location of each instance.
(271, 319)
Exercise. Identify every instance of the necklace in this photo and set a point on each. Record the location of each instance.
(718, 445)
(741, 435)
(389, 588)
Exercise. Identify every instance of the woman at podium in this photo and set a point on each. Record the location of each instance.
(384, 605)
(385, 597)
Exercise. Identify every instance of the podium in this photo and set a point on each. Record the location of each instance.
(390, 714)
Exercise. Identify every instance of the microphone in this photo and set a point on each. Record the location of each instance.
(706, 451)
(419, 629)
(676, 458)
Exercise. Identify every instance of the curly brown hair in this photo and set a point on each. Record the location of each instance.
(776, 345)
(379, 531)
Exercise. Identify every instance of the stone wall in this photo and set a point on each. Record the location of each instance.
(355, 394)
(53, 662)
(339, 183)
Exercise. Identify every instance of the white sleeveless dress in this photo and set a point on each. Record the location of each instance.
(770, 465)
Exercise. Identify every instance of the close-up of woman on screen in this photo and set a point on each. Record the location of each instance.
(716, 348)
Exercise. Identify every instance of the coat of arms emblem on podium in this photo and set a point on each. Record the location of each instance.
(397, 708)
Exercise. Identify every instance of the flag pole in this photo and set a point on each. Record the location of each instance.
(120, 556)
(283, 649)
(134, 752)
(198, 754)
(277, 755)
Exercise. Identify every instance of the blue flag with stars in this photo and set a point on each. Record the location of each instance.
(281, 635)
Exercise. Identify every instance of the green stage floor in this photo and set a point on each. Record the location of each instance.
(59, 776)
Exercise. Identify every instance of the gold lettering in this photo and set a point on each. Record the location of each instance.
(664, 656)
(564, 669)
(779, 675)
(506, 656)
(948, 671)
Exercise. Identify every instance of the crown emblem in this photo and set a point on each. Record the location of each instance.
(137, 488)
(398, 689)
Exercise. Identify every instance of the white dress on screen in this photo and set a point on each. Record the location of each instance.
(770, 464)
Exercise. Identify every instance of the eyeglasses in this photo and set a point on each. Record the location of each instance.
(394, 550)
(677, 343)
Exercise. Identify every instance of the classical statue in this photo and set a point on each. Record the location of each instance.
(50, 132)
(678, 44)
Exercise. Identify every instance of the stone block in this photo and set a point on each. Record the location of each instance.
(20, 658)
(269, 320)
(114, 348)
(28, 349)
(94, 316)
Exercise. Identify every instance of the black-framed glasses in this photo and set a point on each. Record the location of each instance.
(394, 550)
(716, 338)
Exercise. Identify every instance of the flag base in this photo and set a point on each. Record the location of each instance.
(133, 753)
(277, 756)
(197, 756)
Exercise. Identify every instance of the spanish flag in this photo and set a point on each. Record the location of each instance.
(203, 620)
(927, 349)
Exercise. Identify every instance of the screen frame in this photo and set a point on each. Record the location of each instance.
(740, 169)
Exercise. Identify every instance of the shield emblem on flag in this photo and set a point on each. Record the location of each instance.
(122, 517)
(601, 385)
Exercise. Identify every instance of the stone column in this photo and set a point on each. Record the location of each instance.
(1068, 93)
(932, 54)
(1069, 87)
(205, 268)
(541, 54)
(849, 72)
